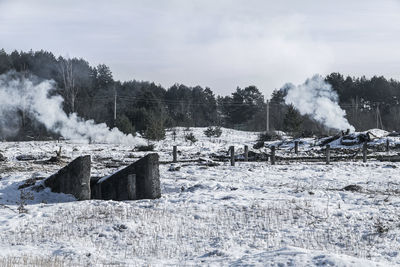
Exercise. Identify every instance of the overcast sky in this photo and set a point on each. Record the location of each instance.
(221, 44)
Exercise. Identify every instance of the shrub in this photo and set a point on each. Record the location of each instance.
(124, 124)
(213, 131)
(174, 134)
(190, 137)
(268, 136)
(155, 129)
(209, 131)
(145, 148)
(217, 131)
(306, 133)
(258, 145)
(24, 196)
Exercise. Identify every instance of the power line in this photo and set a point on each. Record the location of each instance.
(134, 99)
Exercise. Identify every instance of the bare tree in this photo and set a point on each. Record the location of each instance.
(66, 67)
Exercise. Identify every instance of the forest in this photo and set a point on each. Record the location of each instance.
(145, 107)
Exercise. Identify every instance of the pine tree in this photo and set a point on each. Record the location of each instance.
(155, 129)
(293, 121)
(124, 124)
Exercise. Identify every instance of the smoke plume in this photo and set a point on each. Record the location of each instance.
(316, 98)
(18, 93)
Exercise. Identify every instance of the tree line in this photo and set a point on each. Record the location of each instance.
(148, 108)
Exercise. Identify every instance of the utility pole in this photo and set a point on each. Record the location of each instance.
(115, 106)
(378, 118)
(356, 111)
(267, 115)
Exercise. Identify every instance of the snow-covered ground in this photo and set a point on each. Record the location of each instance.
(288, 214)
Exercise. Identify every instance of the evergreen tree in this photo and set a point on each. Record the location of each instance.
(5, 64)
(292, 121)
(242, 106)
(155, 129)
(125, 125)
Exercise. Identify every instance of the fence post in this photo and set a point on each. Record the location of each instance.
(232, 150)
(328, 154)
(174, 154)
(387, 145)
(296, 147)
(364, 151)
(246, 153)
(273, 155)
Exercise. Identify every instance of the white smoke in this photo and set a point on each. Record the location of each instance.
(316, 98)
(19, 93)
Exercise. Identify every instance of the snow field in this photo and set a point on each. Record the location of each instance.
(251, 214)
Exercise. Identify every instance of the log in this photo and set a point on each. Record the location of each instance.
(330, 139)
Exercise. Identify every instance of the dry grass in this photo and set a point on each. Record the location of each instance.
(32, 261)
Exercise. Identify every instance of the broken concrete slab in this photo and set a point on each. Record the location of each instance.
(114, 187)
(72, 179)
(140, 180)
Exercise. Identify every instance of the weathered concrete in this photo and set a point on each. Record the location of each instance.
(72, 179)
(114, 187)
(140, 180)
